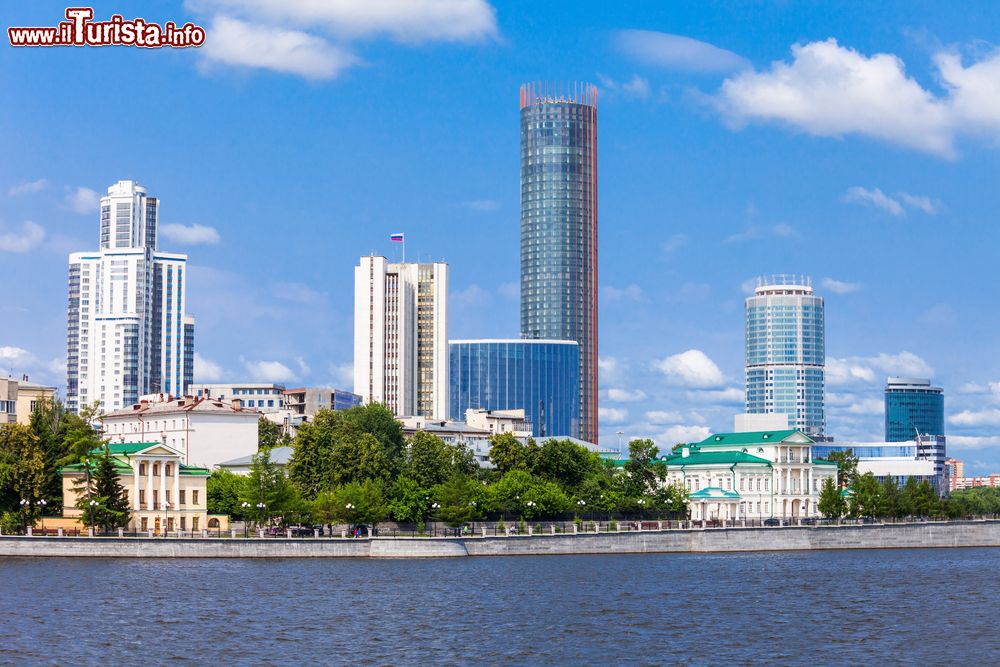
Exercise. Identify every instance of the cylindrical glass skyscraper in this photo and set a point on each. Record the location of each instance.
(559, 227)
(912, 407)
(786, 352)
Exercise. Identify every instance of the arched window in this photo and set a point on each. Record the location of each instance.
(213, 523)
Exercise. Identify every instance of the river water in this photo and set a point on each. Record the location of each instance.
(933, 606)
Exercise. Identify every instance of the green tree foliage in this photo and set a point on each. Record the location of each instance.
(867, 496)
(225, 493)
(455, 498)
(671, 498)
(429, 460)
(831, 502)
(847, 466)
(270, 434)
(358, 503)
(889, 504)
(566, 463)
(507, 453)
(51, 423)
(408, 501)
(378, 420)
(643, 469)
(981, 500)
(267, 485)
(100, 484)
(22, 471)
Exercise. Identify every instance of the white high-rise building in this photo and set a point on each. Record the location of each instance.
(127, 331)
(401, 336)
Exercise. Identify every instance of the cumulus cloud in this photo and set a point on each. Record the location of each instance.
(972, 441)
(282, 36)
(663, 417)
(612, 415)
(895, 206)
(510, 291)
(269, 371)
(343, 375)
(727, 396)
(636, 87)
(681, 433)
(206, 370)
(609, 368)
(20, 361)
(235, 42)
(839, 286)
(852, 370)
(989, 417)
(473, 295)
(190, 234)
(83, 200)
(692, 368)
(29, 237)
(677, 52)
(28, 187)
(832, 91)
(626, 396)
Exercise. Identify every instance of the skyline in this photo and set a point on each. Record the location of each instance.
(702, 189)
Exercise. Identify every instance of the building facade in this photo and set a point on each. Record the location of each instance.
(260, 396)
(559, 228)
(898, 460)
(8, 401)
(955, 469)
(165, 495)
(401, 336)
(203, 431)
(18, 399)
(786, 352)
(541, 377)
(128, 333)
(754, 475)
(912, 407)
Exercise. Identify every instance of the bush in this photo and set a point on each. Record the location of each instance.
(10, 523)
(613, 525)
(501, 525)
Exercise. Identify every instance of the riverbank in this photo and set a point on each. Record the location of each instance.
(709, 540)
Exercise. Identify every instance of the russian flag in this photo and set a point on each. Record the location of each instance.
(396, 237)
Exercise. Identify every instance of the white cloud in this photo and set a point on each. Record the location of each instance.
(663, 417)
(407, 21)
(297, 293)
(989, 417)
(269, 371)
(681, 433)
(83, 200)
(920, 202)
(473, 295)
(234, 42)
(972, 441)
(612, 415)
(481, 205)
(190, 234)
(692, 368)
(851, 370)
(636, 87)
(626, 396)
(303, 366)
(839, 286)
(674, 242)
(31, 235)
(677, 52)
(780, 230)
(16, 357)
(510, 291)
(19, 361)
(343, 375)
(874, 197)
(28, 187)
(727, 396)
(939, 314)
(629, 293)
(608, 368)
(206, 370)
(866, 406)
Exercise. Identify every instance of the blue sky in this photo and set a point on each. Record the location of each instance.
(854, 143)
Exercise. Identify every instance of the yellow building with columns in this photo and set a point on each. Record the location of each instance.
(166, 496)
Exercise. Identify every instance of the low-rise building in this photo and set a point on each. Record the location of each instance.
(280, 456)
(751, 475)
(956, 470)
(899, 460)
(259, 396)
(29, 395)
(165, 495)
(8, 401)
(974, 482)
(204, 431)
(310, 400)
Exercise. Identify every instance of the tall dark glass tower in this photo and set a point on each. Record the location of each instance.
(559, 227)
(912, 407)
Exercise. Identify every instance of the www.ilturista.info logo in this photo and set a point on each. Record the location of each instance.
(80, 30)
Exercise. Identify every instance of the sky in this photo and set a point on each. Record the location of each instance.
(854, 143)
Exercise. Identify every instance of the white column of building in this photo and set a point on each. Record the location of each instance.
(135, 484)
(149, 484)
(177, 484)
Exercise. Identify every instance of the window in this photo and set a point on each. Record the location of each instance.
(181, 498)
(156, 469)
(194, 522)
(168, 469)
(183, 521)
(145, 524)
(142, 497)
(156, 499)
(142, 468)
(194, 496)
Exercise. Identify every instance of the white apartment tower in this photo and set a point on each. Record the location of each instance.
(401, 336)
(127, 331)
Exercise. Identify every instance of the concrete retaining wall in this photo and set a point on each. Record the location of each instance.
(713, 540)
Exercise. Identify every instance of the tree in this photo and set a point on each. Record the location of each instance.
(268, 491)
(831, 502)
(889, 500)
(455, 500)
(100, 494)
(379, 421)
(847, 466)
(566, 463)
(270, 434)
(507, 453)
(225, 490)
(359, 503)
(867, 494)
(407, 500)
(51, 423)
(671, 498)
(643, 469)
(429, 461)
(22, 471)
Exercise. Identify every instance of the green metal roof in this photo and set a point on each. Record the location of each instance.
(824, 462)
(696, 457)
(121, 467)
(750, 438)
(127, 448)
(713, 493)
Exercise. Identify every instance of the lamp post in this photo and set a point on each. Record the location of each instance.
(93, 506)
(580, 504)
(350, 507)
(260, 513)
(166, 517)
(619, 434)
(246, 510)
(642, 506)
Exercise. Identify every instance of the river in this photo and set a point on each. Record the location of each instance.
(841, 607)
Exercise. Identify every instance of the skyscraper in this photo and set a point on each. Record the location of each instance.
(559, 228)
(401, 336)
(786, 352)
(127, 330)
(542, 377)
(912, 407)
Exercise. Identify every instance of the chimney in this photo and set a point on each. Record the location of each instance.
(236, 404)
(685, 452)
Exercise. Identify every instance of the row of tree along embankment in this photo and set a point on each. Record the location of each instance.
(711, 540)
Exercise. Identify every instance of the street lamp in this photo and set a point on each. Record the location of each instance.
(93, 505)
(260, 513)
(246, 510)
(619, 434)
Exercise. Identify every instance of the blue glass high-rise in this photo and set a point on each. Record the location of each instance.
(912, 407)
(559, 228)
(542, 377)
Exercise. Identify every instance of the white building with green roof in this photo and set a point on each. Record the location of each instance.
(755, 475)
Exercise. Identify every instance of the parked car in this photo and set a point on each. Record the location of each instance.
(772, 522)
(302, 531)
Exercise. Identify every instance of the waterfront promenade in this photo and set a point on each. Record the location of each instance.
(692, 540)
